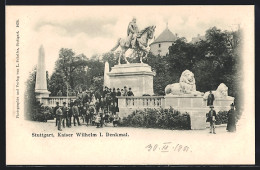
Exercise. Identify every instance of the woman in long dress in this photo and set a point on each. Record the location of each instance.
(232, 119)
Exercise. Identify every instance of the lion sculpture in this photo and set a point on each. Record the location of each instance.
(186, 85)
(221, 92)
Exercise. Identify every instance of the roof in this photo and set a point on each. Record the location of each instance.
(165, 36)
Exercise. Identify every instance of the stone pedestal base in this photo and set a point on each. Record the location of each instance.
(39, 94)
(197, 107)
(138, 76)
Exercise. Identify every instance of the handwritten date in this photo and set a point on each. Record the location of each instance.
(167, 147)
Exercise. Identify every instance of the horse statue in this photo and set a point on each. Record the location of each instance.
(141, 48)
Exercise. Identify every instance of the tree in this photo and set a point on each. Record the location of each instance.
(57, 83)
(111, 58)
(69, 68)
(31, 106)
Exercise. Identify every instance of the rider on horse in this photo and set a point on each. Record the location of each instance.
(132, 31)
(136, 40)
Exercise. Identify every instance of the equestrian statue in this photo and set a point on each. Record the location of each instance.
(136, 40)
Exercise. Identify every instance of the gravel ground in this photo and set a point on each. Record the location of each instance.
(136, 146)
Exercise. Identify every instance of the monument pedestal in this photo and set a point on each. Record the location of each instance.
(138, 76)
(41, 82)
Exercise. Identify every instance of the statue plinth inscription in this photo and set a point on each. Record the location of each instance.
(138, 76)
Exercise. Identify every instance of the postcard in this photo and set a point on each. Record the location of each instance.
(130, 85)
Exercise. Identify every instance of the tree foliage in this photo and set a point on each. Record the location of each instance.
(77, 72)
(70, 70)
(214, 60)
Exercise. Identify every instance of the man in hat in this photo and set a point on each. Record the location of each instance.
(113, 96)
(118, 93)
(212, 119)
(91, 111)
(65, 115)
(59, 115)
(125, 91)
(210, 99)
(75, 112)
(54, 111)
(232, 119)
(105, 91)
(130, 93)
(83, 112)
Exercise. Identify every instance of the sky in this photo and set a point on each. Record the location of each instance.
(94, 30)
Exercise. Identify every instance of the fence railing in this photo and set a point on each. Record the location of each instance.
(141, 102)
(51, 101)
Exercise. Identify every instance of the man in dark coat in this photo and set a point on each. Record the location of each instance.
(54, 111)
(211, 117)
(86, 97)
(59, 117)
(130, 93)
(105, 92)
(75, 112)
(65, 115)
(113, 96)
(83, 112)
(232, 119)
(210, 99)
(125, 91)
(118, 93)
(102, 119)
(108, 99)
(112, 109)
(91, 111)
(97, 105)
(102, 104)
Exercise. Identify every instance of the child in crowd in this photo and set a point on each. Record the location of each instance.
(116, 120)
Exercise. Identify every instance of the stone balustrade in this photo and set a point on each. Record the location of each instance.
(196, 106)
(51, 101)
(141, 102)
(127, 104)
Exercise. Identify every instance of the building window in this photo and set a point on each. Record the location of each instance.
(159, 45)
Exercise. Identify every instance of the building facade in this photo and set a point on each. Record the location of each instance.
(160, 46)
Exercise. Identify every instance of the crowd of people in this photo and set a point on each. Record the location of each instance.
(91, 109)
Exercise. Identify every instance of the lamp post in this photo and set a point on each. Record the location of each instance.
(67, 85)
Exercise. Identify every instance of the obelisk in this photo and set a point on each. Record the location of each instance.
(41, 82)
(106, 77)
